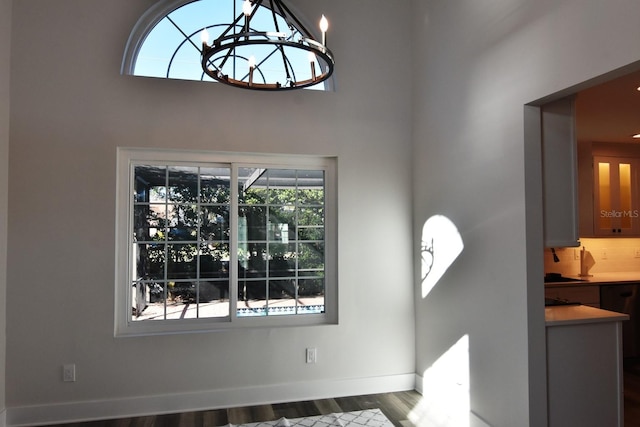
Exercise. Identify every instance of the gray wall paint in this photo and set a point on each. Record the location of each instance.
(5, 69)
(71, 109)
(477, 65)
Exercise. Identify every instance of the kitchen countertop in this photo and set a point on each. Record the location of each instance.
(598, 279)
(563, 315)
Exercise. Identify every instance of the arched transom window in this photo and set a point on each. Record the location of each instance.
(166, 41)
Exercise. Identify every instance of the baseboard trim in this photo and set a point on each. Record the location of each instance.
(195, 401)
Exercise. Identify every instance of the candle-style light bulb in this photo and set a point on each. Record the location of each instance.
(246, 7)
(246, 10)
(204, 36)
(252, 66)
(312, 62)
(324, 26)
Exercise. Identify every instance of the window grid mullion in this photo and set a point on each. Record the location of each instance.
(233, 244)
(198, 241)
(166, 240)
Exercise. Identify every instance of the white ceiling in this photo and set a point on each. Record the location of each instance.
(610, 112)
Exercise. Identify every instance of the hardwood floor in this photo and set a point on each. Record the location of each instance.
(395, 406)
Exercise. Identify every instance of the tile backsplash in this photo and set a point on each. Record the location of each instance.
(611, 255)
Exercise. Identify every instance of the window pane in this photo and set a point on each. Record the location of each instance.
(311, 256)
(311, 233)
(215, 185)
(255, 222)
(149, 262)
(254, 264)
(215, 223)
(253, 186)
(251, 298)
(181, 263)
(311, 216)
(214, 261)
(311, 295)
(311, 187)
(183, 222)
(183, 185)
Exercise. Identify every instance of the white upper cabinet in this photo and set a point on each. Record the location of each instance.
(615, 196)
(560, 182)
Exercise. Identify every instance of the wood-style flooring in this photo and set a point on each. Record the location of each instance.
(395, 406)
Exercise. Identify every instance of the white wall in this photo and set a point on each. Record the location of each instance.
(477, 64)
(71, 109)
(5, 49)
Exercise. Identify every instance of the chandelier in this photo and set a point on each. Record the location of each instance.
(267, 48)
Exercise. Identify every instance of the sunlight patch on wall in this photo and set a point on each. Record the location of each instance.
(441, 245)
(445, 390)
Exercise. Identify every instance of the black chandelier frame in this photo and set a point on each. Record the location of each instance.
(237, 35)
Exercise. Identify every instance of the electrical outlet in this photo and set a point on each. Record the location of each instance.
(636, 252)
(312, 355)
(603, 253)
(69, 373)
(576, 255)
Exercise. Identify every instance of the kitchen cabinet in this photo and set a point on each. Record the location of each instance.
(587, 295)
(559, 173)
(625, 298)
(609, 189)
(584, 366)
(616, 208)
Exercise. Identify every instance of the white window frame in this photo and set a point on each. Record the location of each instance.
(127, 157)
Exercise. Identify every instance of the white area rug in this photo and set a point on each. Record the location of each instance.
(366, 418)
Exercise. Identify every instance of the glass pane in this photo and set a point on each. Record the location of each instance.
(215, 185)
(182, 263)
(311, 233)
(149, 262)
(253, 186)
(282, 297)
(311, 256)
(182, 291)
(310, 187)
(282, 221)
(214, 299)
(254, 262)
(311, 216)
(149, 183)
(214, 261)
(625, 194)
(148, 301)
(183, 222)
(255, 221)
(604, 191)
(282, 260)
(282, 186)
(311, 288)
(214, 223)
(252, 298)
(183, 184)
(149, 222)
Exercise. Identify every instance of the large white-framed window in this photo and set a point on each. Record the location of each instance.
(209, 241)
